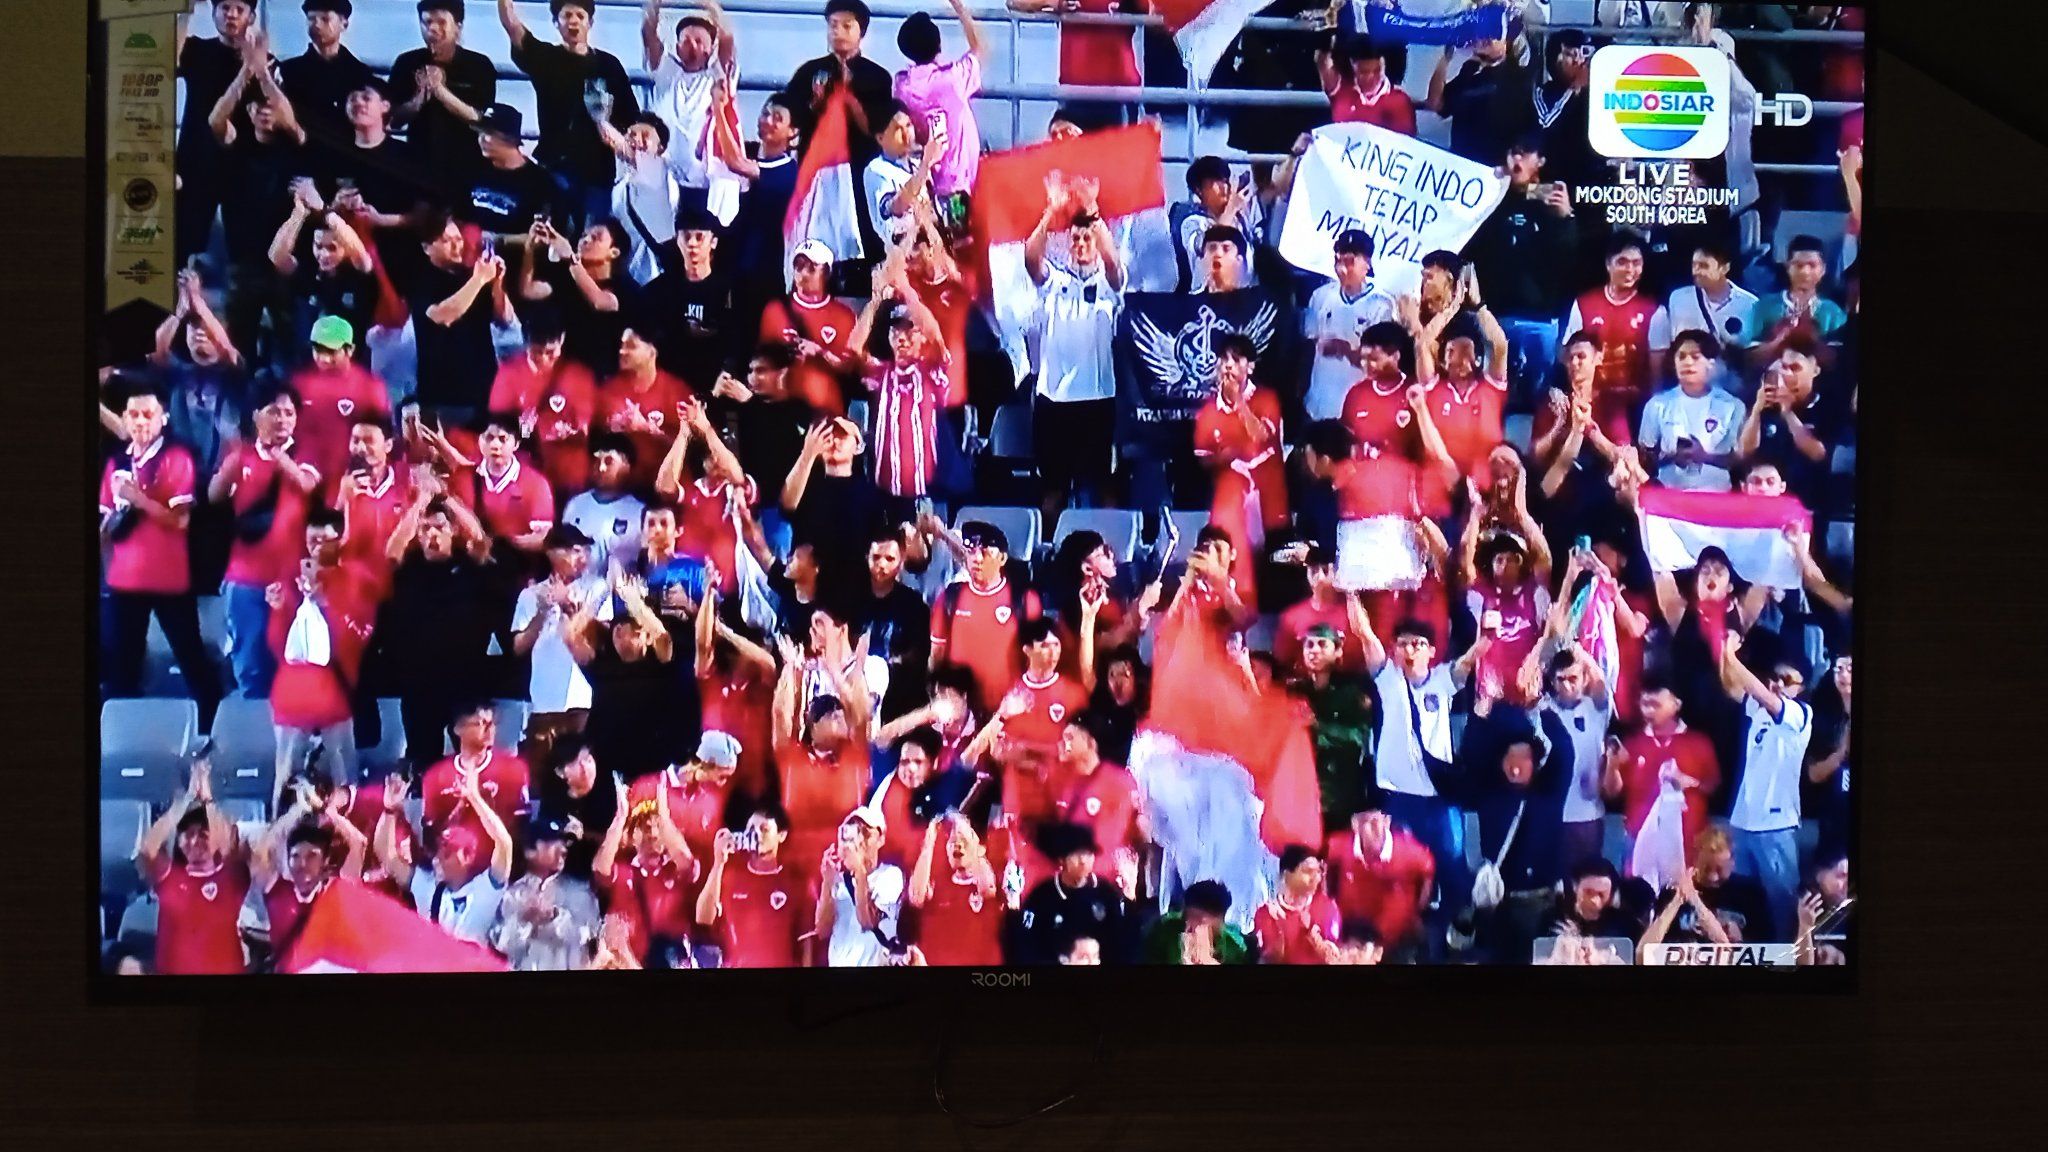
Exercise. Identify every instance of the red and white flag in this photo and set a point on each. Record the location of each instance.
(1009, 199)
(1678, 525)
(1203, 29)
(1228, 772)
(354, 929)
(826, 205)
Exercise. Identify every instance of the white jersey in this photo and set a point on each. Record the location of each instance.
(1075, 323)
(683, 101)
(612, 525)
(851, 945)
(468, 912)
(1774, 754)
(1409, 711)
(1728, 321)
(1331, 316)
(1713, 421)
(882, 180)
(1586, 723)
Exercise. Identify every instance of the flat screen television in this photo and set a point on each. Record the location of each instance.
(1369, 485)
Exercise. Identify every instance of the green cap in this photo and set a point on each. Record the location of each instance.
(333, 332)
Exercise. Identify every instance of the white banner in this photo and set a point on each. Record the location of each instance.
(1412, 198)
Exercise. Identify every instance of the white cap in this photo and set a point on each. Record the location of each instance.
(868, 815)
(719, 749)
(813, 250)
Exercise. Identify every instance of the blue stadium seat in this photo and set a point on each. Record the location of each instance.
(938, 573)
(1520, 431)
(1828, 227)
(1119, 528)
(1259, 637)
(1020, 525)
(858, 412)
(244, 748)
(246, 811)
(121, 826)
(1189, 523)
(142, 747)
(511, 715)
(1841, 543)
(138, 924)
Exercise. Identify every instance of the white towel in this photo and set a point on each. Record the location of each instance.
(1660, 846)
(308, 641)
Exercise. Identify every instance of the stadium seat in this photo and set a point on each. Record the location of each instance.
(511, 730)
(142, 747)
(1520, 431)
(1119, 528)
(390, 751)
(1189, 523)
(1829, 227)
(138, 924)
(1841, 542)
(1259, 637)
(1010, 436)
(122, 823)
(939, 573)
(247, 812)
(244, 748)
(1007, 471)
(1020, 525)
(858, 412)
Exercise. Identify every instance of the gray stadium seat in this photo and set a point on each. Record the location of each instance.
(142, 747)
(511, 716)
(1020, 525)
(121, 826)
(390, 751)
(1829, 227)
(1189, 522)
(938, 573)
(138, 924)
(1841, 542)
(1520, 431)
(247, 811)
(244, 748)
(1119, 528)
(1010, 437)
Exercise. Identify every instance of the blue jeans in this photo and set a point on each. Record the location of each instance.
(1532, 348)
(1772, 858)
(248, 617)
(1441, 828)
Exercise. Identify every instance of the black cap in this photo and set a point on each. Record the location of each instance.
(566, 536)
(341, 8)
(1356, 241)
(981, 533)
(1321, 555)
(547, 826)
(501, 120)
(372, 82)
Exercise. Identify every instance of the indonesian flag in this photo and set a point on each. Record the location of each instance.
(1678, 525)
(1203, 29)
(354, 929)
(723, 185)
(826, 205)
(1009, 198)
(1228, 773)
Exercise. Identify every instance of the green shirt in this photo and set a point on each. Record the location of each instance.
(1162, 943)
(1342, 732)
(1771, 311)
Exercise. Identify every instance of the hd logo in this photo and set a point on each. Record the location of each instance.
(1659, 103)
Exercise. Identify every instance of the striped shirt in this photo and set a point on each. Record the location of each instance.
(906, 424)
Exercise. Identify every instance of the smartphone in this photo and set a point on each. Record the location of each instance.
(1489, 621)
(1583, 544)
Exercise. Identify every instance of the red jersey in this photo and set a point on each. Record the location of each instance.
(1522, 610)
(907, 399)
(818, 791)
(502, 778)
(978, 631)
(657, 899)
(760, 917)
(259, 474)
(661, 401)
(1381, 424)
(365, 808)
(1388, 889)
(1628, 661)
(827, 323)
(329, 402)
(1623, 379)
(559, 405)
(1287, 936)
(1376, 486)
(371, 517)
(1645, 755)
(697, 808)
(903, 839)
(950, 302)
(1294, 627)
(1472, 421)
(516, 502)
(1247, 461)
(1031, 744)
(286, 908)
(151, 557)
(704, 527)
(961, 924)
(1096, 54)
(1389, 108)
(197, 918)
(307, 695)
(1108, 802)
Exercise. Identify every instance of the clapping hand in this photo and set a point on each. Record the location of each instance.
(1082, 193)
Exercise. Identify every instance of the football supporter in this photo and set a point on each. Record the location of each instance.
(1197, 933)
(1075, 901)
(1634, 332)
(507, 192)
(960, 910)
(1468, 397)
(556, 687)
(1577, 694)
(860, 898)
(336, 282)
(915, 793)
(1299, 924)
(1079, 300)
(1100, 796)
(330, 392)
(200, 879)
(145, 507)
(1334, 322)
(1765, 817)
(643, 709)
(588, 286)
(1690, 434)
(607, 512)
(1516, 772)
(321, 617)
(270, 493)
(705, 57)
(293, 863)
(756, 908)
(895, 187)
(478, 783)
(514, 502)
(547, 920)
(1799, 314)
(908, 390)
(372, 495)
(440, 618)
(1715, 304)
(454, 296)
(1215, 201)
(692, 299)
(463, 888)
(1664, 754)
(1238, 435)
(823, 761)
(1792, 426)
(1341, 715)
(573, 83)
(937, 96)
(555, 399)
(1380, 874)
(976, 624)
(656, 886)
(1529, 248)
(1360, 91)
(438, 92)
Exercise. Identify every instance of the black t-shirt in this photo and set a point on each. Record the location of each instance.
(505, 200)
(569, 141)
(590, 337)
(1828, 801)
(1481, 104)
(643, 713)
(390, 176)
(1739, 903)
(437, 625)
(207, 67)
(898, 627)
(873, 88)
(692, 321)
(770, 438)
(256, 197)
(318, 89)
(1804, 478)
(447, 142)
(347, 292)
(837, 518)
(1053, 915)
(754, 250)
(456, 361)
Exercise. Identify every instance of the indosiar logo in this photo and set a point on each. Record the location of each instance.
(1659, 103)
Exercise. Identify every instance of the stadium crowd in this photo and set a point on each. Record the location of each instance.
(638, 509)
